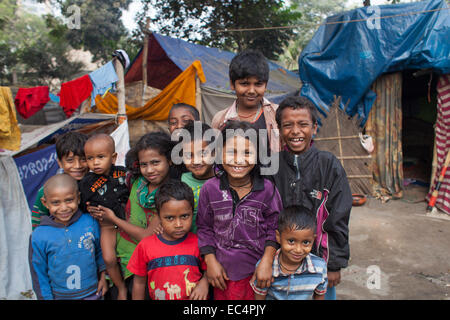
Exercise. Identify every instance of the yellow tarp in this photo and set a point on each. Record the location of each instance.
(9, 127)
(180, 90)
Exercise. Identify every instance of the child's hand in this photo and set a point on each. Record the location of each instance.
(106, 213)
(159, 229)
(334, 278)
(102, 284)
(263, 275)
(155, 225)
(215, 272)
(93, 211)
(200, 291)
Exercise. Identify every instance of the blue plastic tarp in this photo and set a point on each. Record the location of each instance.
(35, 169)
(344, 59)
(215, 64)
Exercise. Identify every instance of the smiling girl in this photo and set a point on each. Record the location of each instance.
(237, 218)
(149, 163)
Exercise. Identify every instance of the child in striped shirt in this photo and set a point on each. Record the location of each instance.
(297, 273)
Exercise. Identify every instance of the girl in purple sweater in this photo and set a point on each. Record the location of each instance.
(237, 217)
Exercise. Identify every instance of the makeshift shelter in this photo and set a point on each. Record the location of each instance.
(366, 58)
(340, 135)
(189, 73)
(23, 172)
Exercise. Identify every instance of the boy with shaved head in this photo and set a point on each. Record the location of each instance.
(76, 269)
(71, 160)
(105, 186)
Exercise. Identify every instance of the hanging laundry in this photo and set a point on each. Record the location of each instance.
(54, 98)
(28, 101)
(73, 93)
(103, 80)
(9, 127)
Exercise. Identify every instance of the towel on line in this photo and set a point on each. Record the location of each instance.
(103, 79)
(28, 101)
(73, 93)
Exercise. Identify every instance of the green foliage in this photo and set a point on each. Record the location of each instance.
(203, 22)
(46, 60)
(7, 9)
(313, 13)
(35, 49)
(101, 28)
(32, 49)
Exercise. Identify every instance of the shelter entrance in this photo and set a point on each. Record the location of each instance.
(419, 110)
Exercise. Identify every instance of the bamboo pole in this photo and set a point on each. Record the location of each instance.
(121, 112)
(198, 96)
(339, 135)
(361, 176)
(434, 165)
(144, 62)
(336, 138)
(353, 157)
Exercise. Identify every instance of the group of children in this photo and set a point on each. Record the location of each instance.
(212, 227)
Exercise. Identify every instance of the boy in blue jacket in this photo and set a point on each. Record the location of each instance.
(65, 256)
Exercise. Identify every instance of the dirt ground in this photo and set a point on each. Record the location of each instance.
(398, 241)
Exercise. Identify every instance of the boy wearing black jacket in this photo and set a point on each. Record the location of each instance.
(316, 180)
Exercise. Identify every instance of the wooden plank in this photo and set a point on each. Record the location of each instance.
(121, 112)
(336, 138)
(339, 134)
(198, 96)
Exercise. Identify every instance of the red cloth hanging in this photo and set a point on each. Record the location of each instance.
(74, 92)
(28, 101)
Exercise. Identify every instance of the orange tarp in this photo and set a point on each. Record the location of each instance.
(9, 127)
(180, 90)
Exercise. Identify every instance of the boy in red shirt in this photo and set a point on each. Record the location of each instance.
(170, 262)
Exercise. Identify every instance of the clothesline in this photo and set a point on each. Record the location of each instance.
(333, 22)
(28, 101)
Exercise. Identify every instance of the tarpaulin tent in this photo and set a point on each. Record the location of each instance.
(356, 60)
(168, 57)
(350, 50)
(23, 172)
(181, 90)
